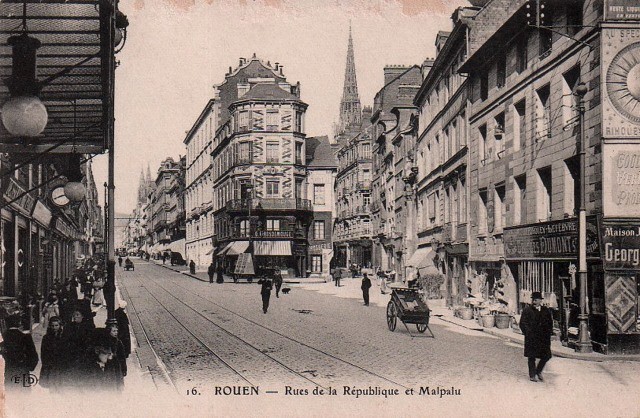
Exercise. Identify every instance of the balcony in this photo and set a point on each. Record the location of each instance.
(242, 205)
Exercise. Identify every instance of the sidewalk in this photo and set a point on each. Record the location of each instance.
(350, 289)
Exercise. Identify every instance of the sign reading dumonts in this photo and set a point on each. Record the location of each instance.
(557, 239)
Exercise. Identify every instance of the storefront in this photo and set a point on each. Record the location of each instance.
(542, 257)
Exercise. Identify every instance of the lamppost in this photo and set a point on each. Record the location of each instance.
(249, 189)
(584, 341)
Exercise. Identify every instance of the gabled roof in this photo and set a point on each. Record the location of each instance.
(320, 153)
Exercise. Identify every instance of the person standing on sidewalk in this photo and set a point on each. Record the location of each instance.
(20, 355)
(337, 275)
(192, 267)
(277, 280)
(220, 272)
(265, 291)
(211, 271)
(536, 324)
(123, 327)
(54, 352)
(366, 285)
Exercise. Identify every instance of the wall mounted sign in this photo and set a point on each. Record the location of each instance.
(557, 239)
(621, 10)
(620, 75)
(621, 180)
(621, 245)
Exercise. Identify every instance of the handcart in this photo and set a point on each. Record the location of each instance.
(407, 306)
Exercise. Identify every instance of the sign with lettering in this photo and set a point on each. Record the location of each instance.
(558, 239)
(42, 214)
(622, 10)
(621, 180)
(15, 193)
(244, 265)
(620, 82)
(620, 245)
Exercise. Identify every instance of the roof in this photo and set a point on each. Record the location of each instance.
(320, 153)
(267, 92)
(75, 63)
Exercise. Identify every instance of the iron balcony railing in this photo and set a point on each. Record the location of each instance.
(269, 204)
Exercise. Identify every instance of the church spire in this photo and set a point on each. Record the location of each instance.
(350, 108)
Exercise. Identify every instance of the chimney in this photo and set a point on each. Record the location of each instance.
(392, 71)
(426, 67)
(281, 67)
(230, 70)
(242, 61)
(277, 66)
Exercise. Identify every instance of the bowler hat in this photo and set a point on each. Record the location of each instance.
(536, 295)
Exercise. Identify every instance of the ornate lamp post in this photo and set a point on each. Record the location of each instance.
(584, 341)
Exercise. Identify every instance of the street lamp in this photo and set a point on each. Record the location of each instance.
(584, 341)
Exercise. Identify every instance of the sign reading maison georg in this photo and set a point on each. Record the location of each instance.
(557, 239)
(621, 245)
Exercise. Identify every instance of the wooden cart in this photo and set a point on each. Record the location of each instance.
(407, 306)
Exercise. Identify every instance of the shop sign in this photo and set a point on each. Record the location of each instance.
(317, 248)
(13, 192)
(621, 180)
(620, 246)
(557, 239)
(42, 214)
(621, 10)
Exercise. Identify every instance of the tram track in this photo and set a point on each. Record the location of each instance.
(216, 353)
(275, 332)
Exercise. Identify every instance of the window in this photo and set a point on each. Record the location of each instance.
(299, 153)
(482, 144)
(273, 188)
(462, 200)
(366, 176)
(316, 263)
(366, 151)
(484, 86)
(519, 199)
(521, 51)
(546, 41)
(573, 11)
(519, 125)
(431, 208)
(498, 135)
(366, 202)
(499, 212)
(273, 224)
(544, 195)
(318, 230)
(570, 101)
(318, 194)
(298, 121)
(572, 186)
(501, 70)
(244, 153)
(243, 121)
(273, 118)
(299, 191)
(244, 228)
(272, 152)
(482, 211)
(543, 113)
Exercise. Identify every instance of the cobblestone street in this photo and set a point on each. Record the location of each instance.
(210, 335)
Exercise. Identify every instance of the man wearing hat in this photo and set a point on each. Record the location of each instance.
(536, 324)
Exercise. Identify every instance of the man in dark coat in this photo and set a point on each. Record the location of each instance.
(192, 267)
(265, 291)
(211, 271)
(19, 352)
(536, 324)
(123, 327)
(220, 271)
(277, 280)
(366, 285)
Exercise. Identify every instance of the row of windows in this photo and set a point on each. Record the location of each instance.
(268, 119)
(453, 199)
(446, 143)
(360, 150)
(243, 152)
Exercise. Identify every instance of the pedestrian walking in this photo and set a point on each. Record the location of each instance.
(120, 261)
(84, 306)
(536, 324)
(78, 335)
(211, 271)
(277, 280)
(102, 373)
(164, 258)
(67, 301)
(124, 334)
(220, 272)
(366, 284)
(54, 352)
(265, 291)
(337, 275)
(110, 338)
(51, 308)
(192, 267)
(98, 295)
(20, 355)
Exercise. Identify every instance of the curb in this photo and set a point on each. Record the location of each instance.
(554, 350)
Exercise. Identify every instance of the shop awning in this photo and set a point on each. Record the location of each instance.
(272, 247)
(422, 257)
(177, 246)
(225, 249)
(238, 247)
(210, 251)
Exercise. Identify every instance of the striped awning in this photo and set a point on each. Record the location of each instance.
(272, 247)
(238, 247)
(225, 249)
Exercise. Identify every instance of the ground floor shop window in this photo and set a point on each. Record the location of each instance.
(316, 263)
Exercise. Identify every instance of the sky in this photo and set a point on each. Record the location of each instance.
(177, 50)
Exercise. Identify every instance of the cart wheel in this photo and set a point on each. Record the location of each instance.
(421, 328)
(391, 316)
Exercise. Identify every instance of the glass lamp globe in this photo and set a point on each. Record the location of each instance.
(117, 37)
(75, 191)
(24, 116)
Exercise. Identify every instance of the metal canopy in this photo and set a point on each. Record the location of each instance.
(76, 65)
